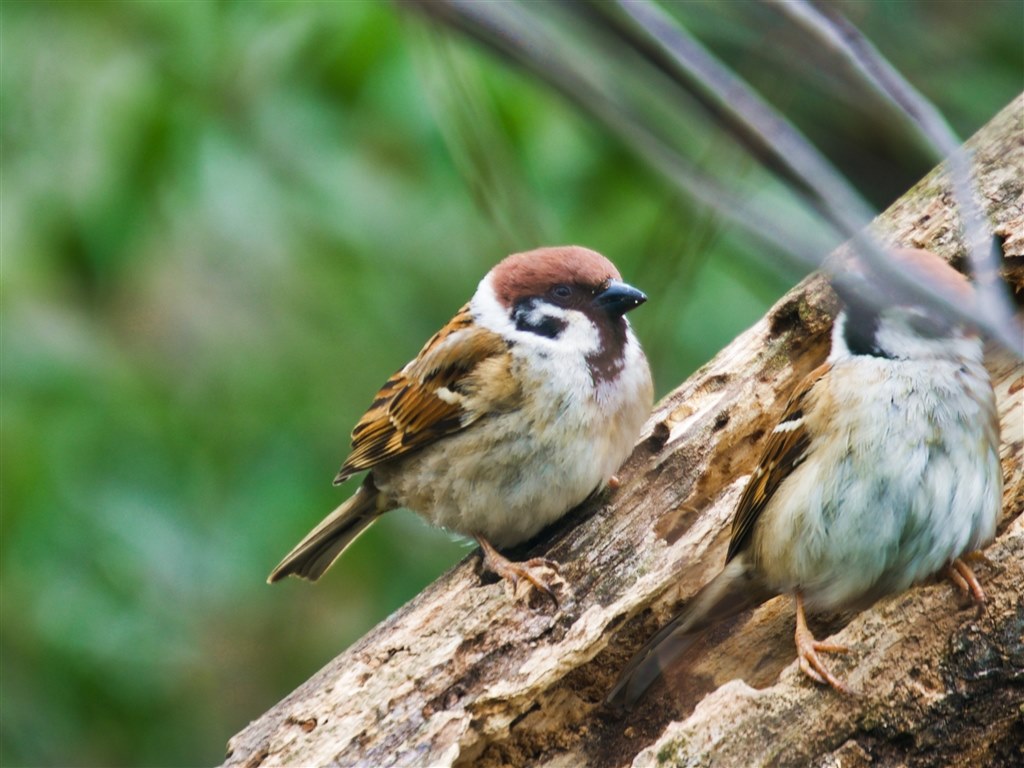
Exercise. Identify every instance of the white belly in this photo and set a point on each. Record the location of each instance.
(507, 476)
(885, 505)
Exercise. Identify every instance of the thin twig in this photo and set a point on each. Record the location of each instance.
(507, 28)
(845, 208)
(526, 46)
(836, 33)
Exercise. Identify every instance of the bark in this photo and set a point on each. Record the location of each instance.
(463, 676)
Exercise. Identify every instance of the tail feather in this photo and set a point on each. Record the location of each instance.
(729, 593)
(324, 544)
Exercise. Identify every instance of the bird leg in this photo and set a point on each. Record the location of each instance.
(807, 651)
(539, 572)
(960, 573)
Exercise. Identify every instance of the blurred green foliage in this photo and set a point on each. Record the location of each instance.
(223, 226)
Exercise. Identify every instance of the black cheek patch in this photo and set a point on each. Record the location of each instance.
(859, 332)
(547, 326)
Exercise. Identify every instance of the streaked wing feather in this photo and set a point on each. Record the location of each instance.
(408, 412)
(783, 452)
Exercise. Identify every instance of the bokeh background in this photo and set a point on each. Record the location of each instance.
(224, 224)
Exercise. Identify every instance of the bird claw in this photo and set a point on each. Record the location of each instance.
(961, 574)
(807, 649)
(812, 665)
(538, 573)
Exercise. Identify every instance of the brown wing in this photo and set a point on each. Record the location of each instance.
(429, 398)
(784, 451)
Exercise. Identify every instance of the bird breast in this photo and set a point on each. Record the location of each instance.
(514, 471)
(893, 486)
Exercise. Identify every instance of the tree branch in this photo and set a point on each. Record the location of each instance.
(463, 676)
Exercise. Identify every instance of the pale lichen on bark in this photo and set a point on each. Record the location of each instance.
(463, 676)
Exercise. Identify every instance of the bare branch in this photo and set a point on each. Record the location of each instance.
(838, 34)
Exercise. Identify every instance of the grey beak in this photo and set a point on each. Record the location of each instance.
(618, 298)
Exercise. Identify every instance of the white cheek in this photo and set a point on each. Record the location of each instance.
(580, 336)
(580, 333)
(488, 311)
(900, 341)
(839, 350)
(558, 367)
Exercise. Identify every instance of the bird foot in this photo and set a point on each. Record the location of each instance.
(807, 649)
(963, 577)
(538, 573)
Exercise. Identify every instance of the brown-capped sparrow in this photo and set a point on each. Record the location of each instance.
(883, 470)
(517, 410)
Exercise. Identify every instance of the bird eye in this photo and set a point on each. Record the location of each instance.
(561, 291)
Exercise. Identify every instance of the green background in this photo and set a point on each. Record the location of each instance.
(223, 226)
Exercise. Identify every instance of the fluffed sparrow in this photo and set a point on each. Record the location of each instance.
(517, 410)
(883, 470)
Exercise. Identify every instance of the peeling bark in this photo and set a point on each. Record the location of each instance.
(463, 676)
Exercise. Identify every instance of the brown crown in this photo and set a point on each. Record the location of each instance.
(532, 273)
(932, 269)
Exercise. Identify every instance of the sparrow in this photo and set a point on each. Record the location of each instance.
(521, 407)
(883, 470)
